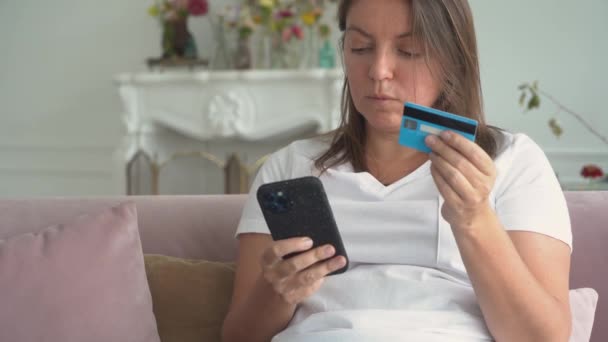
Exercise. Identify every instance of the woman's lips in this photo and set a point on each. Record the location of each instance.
(381, 98)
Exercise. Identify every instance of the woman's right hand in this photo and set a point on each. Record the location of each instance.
(296, 278)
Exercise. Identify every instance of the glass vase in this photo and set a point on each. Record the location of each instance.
(264, 42)
(221, 56)
(327, 56)
(242, 54)
(279, 54)
(309, 51)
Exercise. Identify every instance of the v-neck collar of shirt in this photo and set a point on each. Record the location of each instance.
(377, 186)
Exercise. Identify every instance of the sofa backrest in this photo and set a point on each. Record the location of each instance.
(197, 227)
(589, 268)
(202, 227)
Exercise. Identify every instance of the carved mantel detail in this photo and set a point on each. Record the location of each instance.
(231, 115)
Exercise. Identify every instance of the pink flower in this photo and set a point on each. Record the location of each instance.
(198, 7)
(297, 32)
(286, 34)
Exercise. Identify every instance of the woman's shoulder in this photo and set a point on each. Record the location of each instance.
(516, 147)
(309, 149)
(521, 161)
(299, 156)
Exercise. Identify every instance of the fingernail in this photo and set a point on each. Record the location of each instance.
(431, 139)
(446, 135)
(306, 242)
(338, 263)
(328, 251)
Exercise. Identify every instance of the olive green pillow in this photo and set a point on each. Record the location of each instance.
(190, 297)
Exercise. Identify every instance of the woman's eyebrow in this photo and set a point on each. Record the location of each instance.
(368, 35)
(360, 31)
(404, 35)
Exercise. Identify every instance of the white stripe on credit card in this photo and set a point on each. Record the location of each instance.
(430, 129)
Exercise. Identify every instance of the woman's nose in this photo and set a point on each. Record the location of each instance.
(382, 66)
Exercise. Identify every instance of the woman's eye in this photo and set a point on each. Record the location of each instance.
(409, 54)
(360, 50)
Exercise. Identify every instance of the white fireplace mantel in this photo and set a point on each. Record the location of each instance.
(241, 107)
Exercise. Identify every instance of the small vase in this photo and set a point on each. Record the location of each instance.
(242, 55)
(278, 58)
(263, 49)
(286, 54)
(327, 56)
(177, 40)
(309, 53)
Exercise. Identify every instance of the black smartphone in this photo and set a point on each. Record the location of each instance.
(299, 207)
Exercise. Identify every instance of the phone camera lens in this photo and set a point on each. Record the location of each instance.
(277, 202)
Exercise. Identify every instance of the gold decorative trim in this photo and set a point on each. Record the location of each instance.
(129, 169)
(236, 173)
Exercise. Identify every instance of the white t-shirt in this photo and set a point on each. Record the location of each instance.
(406, 280)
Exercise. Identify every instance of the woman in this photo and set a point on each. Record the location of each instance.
(469, 243)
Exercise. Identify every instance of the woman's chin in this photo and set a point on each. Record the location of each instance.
(386, 121)
(385, 127)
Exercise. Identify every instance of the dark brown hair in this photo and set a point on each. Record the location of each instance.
(447, 32)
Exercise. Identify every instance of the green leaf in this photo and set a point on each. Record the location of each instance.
(523, 86)
(534, 102)
(556, 127)
(535, 85)
(522, 99)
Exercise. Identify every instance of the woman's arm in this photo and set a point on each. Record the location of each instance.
(520, 278)
(256, 313)
(267, 288)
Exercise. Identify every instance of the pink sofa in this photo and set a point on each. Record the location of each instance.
(202, 227)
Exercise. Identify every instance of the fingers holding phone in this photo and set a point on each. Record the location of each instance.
(299, 208)
(296, 278)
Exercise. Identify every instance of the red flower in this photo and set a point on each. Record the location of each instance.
(592, 171)
(286, 13)
(297, 32)
(198, 7)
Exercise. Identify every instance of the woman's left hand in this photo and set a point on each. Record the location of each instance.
(464, 175)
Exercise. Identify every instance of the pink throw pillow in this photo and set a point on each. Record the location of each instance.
(583, 302)
(84, 281)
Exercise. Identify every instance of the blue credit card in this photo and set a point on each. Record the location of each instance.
(420, 121)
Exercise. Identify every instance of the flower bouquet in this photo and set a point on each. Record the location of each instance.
(285, 29)
(177, 41)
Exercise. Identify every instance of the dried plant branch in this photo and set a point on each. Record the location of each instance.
(532, 93)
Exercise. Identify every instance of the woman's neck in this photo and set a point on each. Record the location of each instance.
(385, 147)
(389, 161)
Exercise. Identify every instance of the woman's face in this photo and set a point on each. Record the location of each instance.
(384, 65)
